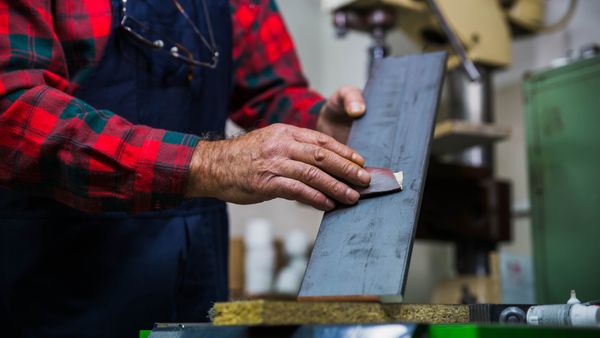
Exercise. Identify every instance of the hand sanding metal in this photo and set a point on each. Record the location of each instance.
(383, 181)
(363, 252)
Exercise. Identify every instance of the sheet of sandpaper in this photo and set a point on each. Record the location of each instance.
(363, 251)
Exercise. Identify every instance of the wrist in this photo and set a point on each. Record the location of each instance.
(199, 184)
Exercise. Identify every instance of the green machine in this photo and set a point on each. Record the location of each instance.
(563, 142)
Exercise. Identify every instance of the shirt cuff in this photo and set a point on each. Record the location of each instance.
(162, 170)
(315, 110)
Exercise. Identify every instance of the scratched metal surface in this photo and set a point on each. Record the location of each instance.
(365, 250)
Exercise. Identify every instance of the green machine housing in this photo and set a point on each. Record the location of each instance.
(563, 142)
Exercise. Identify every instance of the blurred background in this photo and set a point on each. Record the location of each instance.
(451, 263)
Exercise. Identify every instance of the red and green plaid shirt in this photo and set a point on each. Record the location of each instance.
(55, 145)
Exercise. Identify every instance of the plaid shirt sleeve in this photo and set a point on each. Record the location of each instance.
(54, 145)
(269, 85)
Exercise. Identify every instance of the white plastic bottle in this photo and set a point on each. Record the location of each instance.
(289, 279)
(259, 257)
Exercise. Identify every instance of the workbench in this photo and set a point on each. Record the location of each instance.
(285, 319)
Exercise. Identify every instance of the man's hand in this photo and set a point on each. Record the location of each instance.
(336, 117)
(277, 161)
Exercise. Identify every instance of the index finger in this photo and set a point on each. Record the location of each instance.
(329, 143)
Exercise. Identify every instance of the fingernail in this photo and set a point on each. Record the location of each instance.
(329, 204)
(363, 175)
(352, 195)
(356, 108)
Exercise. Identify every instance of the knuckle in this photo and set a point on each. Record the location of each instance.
(317, 197)
(282, 129)
(276, 131)
(336, 188)
(270, 149)
(323, 139)
(295, 189)
(274, 148)
(343, 151)
(311, 175)
(319, 155)
(276, 141)
(348, 168)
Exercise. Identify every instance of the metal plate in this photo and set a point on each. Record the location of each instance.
(364, 251)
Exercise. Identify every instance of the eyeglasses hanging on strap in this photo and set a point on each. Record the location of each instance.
(176, 49)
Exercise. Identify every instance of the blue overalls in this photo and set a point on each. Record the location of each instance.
(69, 274)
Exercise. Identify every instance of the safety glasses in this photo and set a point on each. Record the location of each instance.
(137, 29)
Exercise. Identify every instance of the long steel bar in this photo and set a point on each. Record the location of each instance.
(363, 252)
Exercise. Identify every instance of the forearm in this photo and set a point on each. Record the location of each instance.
(294, 105)
(270, 86)
(57, 146)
